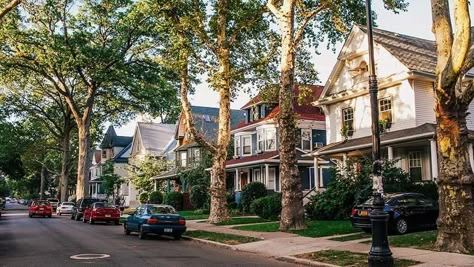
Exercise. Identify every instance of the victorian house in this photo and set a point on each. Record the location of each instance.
(256, 142)
(405, 68)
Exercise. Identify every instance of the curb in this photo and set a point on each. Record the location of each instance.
(209, 242)
(292, 259)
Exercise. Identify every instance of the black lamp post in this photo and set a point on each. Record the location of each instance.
(380, 254)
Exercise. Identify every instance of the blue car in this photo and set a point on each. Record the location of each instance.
(155, 219)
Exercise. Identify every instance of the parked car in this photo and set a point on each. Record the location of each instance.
(155, 219)
(81, 205)
(54, 203)
(407, 211)
(101, 211)
(41, 208)
(65, 208)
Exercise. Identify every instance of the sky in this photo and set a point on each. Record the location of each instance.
(416, 22)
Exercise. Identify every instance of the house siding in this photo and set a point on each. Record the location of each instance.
(424, 100)
(470, 118)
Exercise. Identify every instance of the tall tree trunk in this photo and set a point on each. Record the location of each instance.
(455, 183)
(43, 180)
(66, 161)
(292, 213)
(219, 211)
(82, 161)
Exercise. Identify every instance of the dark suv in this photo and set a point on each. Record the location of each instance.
(81, 205)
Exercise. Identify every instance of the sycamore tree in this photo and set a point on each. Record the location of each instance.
(229, 42)
(303, 22)
(7, 6)
(453, 95)
(90, 52)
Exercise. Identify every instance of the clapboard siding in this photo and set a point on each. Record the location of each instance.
(470, 118)
(424, 99)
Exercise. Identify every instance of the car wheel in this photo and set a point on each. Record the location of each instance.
(141, 234)
(59, 214)
(177, 237)
(367, 230)
(77, 217)
(84, 219)
(49, 216)
(31, 215)
(401, 226)
(125, 230)
(116, 222)
(90, 220)
(72, 216)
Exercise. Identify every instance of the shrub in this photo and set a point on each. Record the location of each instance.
(231, 204)
(268, 207)
(174, 199)
(144, 197)
(199, 196)
(250, 192)
(156, 197)
(352, 185)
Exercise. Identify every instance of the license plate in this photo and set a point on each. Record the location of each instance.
(168, 230)
(41, 209)
(363, 213)
(107, 215)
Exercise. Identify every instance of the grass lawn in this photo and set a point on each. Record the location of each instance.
(243, 220)
(193, 215)
(315, 228)
(352, 237)
(228, 239)
(347, 258)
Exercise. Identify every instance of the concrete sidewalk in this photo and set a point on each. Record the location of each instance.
(285, 245)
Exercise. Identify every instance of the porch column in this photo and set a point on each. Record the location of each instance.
(168, 185)
(390, 153)
(154, 184)
(316, 173)
(237, 179)
(434, 159)
(470, 150)
(267, 175)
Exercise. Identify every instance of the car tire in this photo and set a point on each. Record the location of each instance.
(125, 230)
(116, 222)
(141, 234)
(77, 217)
(177, 237)
(72, 216)
(367, 230)
(30, 215)
(59, 214)
(401, 226)
(49, 216)
(84, 219)
(91, 221)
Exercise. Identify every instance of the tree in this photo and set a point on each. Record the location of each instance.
(8, 7)
(455, 56)
(315, 20)
(145, 170)
(110, 181)
(232, 43)
(90, 52)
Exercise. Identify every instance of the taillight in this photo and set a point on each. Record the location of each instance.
(182, 221)
(354, 212)
(152, 221)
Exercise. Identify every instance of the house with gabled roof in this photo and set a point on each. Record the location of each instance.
(188, 153)
(256, 142)
(113, 148)
(405, 69)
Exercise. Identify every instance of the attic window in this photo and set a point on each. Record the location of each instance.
(362, 68)
(207, 118)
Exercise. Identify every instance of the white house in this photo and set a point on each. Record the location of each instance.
(405, 67)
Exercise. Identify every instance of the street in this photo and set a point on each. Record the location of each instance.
(53, 241)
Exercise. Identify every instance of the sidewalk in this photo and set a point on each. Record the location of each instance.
(285, 245)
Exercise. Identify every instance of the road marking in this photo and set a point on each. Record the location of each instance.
(14, 214)
(89, 256)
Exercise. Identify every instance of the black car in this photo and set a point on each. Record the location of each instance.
(81, 205)
(406, 211)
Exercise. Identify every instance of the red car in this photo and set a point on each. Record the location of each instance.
(101, 211)
(41, 208)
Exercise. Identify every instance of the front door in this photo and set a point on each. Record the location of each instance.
(243, 179)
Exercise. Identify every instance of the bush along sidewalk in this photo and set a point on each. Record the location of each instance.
(228, 239)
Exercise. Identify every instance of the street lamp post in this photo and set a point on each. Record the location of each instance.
(380, 254)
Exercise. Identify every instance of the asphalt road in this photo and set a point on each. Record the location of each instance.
(52, 241)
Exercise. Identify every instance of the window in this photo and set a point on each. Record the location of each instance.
(196, 156)
(104, 154)
(237, 146)
(183, 155)
(260, 140)
(247, 145)
(385, 109)
(257, 175)
(270, 139)
(306, 139)
(415, 165)
(348, 120)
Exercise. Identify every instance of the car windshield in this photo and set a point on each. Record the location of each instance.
(67, 204)
(88, 202)
(42, 202)
(103, 205)
(53, 200)
(386, 198)
(162, 210)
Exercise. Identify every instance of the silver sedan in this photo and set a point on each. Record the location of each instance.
(65, 208)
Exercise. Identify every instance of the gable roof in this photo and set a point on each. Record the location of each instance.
(121, 157)
(304, 111)
(111, 139)
(155, 136)
(415, 53)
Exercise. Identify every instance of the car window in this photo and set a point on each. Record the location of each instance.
(88, 202)
(161, 210)
(41, 202)
(67, 204)
(408, 201)
(425, 201)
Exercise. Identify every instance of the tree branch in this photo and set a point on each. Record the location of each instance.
(307, 18)
(276, 12)
(462, 37)
(9, 7)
